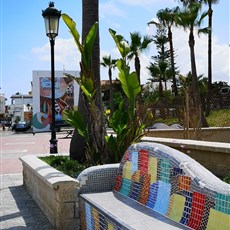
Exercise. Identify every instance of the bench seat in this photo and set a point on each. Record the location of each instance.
(154, 187)
(125, 213)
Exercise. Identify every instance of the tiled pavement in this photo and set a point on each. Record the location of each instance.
(17, 208)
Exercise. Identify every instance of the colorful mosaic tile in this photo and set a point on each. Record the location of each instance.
(197, 210)
(176, 207)
(163, 196)
(222, 203)
(157, 181)
(152, 195)
(165, 170)
(218, 220)
(184, 183)
(125, 188)
(152, 166)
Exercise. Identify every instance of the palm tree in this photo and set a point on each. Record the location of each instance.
(189, 18)
(210, 13)
(89, 17)
(107, 61)
(166, 18)
(157, 72)
(137, 46)
(160, 40)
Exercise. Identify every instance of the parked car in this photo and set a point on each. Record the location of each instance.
(21, 126)
(225, 91)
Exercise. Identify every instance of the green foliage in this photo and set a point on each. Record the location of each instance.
(92, 133)
(125, 122)
(86, 48)
(227, 179)
(75, 119)
(121, 44)
(64, 164)
(86, 80)
(127, 132)
(219, 118)
(129, 83)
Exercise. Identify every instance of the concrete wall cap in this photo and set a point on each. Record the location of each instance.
(49, 175)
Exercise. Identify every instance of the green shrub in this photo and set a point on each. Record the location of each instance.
(227, 179)
(64, 164)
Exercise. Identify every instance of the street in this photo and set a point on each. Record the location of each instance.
(14, 145)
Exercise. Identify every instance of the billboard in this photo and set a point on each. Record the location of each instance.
(66, 97)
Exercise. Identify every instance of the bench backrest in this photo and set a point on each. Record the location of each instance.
(175, 185)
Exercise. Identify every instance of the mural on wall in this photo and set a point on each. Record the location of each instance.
(64, 100)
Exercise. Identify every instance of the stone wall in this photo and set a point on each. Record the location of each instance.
(54, 192)
(215, 156)
(215, 134)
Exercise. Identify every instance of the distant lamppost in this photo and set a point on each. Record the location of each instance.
(52, 16)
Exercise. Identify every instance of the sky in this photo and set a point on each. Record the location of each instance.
(24, 46)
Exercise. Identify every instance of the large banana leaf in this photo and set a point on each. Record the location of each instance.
(122, 46)
(72, 27)
(87, 48)
(129, 82)
(75, 119)
(89, 43)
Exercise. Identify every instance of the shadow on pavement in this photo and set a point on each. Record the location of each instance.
(21, 212)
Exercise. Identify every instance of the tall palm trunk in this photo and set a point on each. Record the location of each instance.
(172, 61)
(111, 92)
(210, 11)
(195, 88)
(138, 68)
(77, 144)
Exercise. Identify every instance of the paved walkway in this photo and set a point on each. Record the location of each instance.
(17, 208)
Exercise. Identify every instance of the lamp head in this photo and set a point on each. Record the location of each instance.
(51, 16)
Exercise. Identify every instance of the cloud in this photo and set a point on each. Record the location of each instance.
(143, 3)
(220, 56)
(109, 8)
(66, 54)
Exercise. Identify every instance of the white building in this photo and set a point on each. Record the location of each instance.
(21, 107)
(66, 97)
(2, 103)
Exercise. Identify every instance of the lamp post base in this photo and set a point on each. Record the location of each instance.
(53, 146)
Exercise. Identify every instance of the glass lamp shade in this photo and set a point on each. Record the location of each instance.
(51, 16)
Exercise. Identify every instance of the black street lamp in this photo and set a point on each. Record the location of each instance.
(51, 16)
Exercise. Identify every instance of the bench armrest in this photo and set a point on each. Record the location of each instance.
(100, 178)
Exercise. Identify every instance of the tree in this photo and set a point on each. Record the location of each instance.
(89, 17)
(137, 46)
(189, 18)
(107, 61)
(125, 122)
(210, 13)
(157, 72)
(166, 18)
(161, 60)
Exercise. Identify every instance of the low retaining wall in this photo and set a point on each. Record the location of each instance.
(216, 134)
(54, 192)
(214, 156)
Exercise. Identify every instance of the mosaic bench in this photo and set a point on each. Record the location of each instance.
(155, 187)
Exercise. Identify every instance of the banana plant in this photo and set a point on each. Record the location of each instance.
(86, 79)
(94, 139)
(129, 81)
(125, 122)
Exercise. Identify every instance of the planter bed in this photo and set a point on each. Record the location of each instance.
(55, 193)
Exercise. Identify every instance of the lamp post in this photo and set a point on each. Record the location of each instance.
(51, 16)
